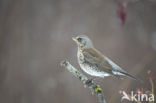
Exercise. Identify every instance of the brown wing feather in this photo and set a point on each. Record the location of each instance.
(94, 56)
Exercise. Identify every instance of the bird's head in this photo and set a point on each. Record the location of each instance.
(83, 42)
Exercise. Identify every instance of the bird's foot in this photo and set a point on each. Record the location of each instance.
(89, 81)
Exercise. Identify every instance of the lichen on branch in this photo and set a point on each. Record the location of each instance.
(95, 89)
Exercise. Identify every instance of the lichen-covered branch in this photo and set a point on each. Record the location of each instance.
(87, 82)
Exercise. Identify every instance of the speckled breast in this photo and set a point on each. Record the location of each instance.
(88, 68)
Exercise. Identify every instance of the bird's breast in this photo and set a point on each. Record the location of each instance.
(89, 68)
(80, 57)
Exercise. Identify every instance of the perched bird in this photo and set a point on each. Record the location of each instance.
(94, 62)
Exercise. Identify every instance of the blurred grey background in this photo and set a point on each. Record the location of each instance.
(35, 35)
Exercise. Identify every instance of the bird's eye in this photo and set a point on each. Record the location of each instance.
(79, 39)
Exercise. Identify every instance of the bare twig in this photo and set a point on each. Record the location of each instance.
(87, 82)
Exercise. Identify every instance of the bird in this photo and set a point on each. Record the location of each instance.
(94, 63)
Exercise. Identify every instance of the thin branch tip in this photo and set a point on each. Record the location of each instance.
(64, 63)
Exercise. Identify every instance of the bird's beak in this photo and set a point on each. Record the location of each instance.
(74, 38)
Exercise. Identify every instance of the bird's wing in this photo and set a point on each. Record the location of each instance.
(103, 63)
(95, 57)
(113, 65)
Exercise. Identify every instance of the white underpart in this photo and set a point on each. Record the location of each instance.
(117, 73)
(93, 72)
(114, 66)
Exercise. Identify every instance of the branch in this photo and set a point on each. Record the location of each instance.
(95, 89)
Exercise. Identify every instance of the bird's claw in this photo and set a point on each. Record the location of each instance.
(89, 81)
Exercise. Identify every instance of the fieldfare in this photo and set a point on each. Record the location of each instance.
(94, 62)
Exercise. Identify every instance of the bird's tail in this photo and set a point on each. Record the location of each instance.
(131, 76)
